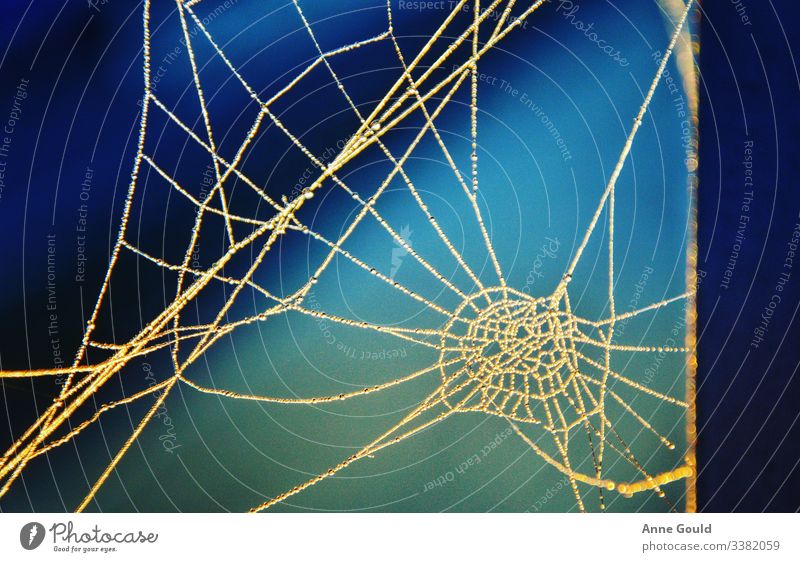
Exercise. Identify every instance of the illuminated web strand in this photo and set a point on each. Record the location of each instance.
(609, 194)
(623, 450)
(629, 382)
(473, 111)
(310, 191)
(384, 184)
(629, 141)
(375, 126)
(96, 416)
(203, 206)
(216, 156)
(219, 185)
(378, 444)
(113, 464)
(500, 384)
(101, 379)
(318, 399)
(103, 374)
(398, 167)
(206, 119)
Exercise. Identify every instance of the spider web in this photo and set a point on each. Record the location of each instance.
(528, 360)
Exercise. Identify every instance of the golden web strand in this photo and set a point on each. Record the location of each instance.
(472, 381)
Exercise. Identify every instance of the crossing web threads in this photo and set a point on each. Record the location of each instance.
(528, 360)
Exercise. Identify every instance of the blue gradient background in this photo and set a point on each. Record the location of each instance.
(84, 68)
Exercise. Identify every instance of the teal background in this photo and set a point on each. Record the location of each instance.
(231, 455)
